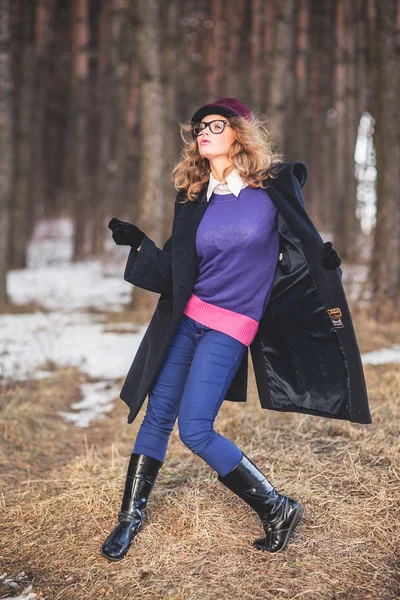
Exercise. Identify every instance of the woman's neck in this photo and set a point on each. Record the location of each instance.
(217, 170)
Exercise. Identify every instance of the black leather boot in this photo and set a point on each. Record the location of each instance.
(279, 514)
(140, 479)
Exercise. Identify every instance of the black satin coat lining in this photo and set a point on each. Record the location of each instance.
(303, 356)
(293, 264)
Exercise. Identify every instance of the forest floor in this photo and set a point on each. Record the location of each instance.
(66, 343)
(62, 487)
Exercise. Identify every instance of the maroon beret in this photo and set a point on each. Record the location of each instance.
(227, 107)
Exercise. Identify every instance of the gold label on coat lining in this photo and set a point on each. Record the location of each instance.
(335, 314)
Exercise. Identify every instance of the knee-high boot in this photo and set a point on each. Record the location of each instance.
(279, 514)
(140, 479)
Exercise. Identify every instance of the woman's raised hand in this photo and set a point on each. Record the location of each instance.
(125, 234)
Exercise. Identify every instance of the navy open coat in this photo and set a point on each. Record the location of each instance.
(305, 353)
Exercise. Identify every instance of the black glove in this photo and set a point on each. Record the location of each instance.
(329, 258)
(125, 234)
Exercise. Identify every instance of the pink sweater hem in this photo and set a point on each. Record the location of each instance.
(238, 326)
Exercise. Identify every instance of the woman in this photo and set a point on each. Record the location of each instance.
(244, 268)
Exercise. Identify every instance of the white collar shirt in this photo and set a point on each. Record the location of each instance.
(234, 184)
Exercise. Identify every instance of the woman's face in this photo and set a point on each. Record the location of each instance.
(217, 144)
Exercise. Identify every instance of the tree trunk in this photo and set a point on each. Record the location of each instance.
(23, 25)
(350, 223)
(340, 127)
(132, 121)
(213, 49)
(113, 97)
(103, 118)
(315, 113)
(232, 55)
(299, 131)
(44, 18)
(169, 85)
(385, 260)
(268, 53)
(58, 128)
(6, 142)
(327, 190)
(152, 131)
(80, 123)
(278, 82)
(122, 44)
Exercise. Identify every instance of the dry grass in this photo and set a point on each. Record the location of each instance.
(62, 490)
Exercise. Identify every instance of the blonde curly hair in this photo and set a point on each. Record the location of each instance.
(252, 153)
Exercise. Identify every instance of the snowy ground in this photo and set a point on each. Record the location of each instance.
(69, 334)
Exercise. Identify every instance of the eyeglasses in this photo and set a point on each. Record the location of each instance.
(216, 126)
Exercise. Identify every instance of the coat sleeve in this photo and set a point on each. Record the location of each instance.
(300, 172)
(150, 268)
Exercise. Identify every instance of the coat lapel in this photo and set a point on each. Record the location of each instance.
(183, 249)
(187, 222)
(197, 211)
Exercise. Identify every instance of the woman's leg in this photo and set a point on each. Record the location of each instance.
(165, 396)
(214, 365)
(152, 440)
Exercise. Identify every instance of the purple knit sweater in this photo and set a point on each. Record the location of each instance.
(237, 243)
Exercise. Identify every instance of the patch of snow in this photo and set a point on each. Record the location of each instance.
(383, 356)
(42, 374)
(51, 280)
(28, 340)
(68, 334)
(69, 287)
(51, 243)
(97, 399)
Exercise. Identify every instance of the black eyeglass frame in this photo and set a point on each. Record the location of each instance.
(207, 124)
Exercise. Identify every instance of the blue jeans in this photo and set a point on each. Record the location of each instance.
(192, 382)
